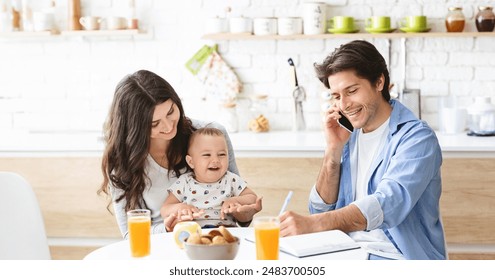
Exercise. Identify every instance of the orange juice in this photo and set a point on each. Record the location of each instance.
(267, 236)
(139, 235)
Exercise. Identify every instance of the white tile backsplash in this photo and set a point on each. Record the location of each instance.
(60, 83)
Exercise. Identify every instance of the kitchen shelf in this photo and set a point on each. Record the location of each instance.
(21, 35)
(26, 34)
(248, 36)
(92, 33)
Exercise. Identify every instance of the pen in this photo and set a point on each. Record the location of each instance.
(286, 202)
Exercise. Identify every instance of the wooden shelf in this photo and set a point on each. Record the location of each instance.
(396, 34)
(72, 33)
(27, 34)
(122, 32)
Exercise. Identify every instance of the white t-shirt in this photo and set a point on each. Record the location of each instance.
(154, 195)
(369, 146)
(208, 196)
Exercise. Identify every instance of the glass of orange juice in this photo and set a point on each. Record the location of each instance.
(267, 234)
(139, 225)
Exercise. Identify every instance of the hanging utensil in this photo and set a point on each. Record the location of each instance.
(299, 95)
(293, 72)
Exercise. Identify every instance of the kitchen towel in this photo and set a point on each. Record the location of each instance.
(219, 79)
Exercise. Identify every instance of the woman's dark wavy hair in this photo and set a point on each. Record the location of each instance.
(359, 56)
(127, 136)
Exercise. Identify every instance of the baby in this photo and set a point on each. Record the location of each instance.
(210, 194)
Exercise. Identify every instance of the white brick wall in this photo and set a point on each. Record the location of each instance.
(67, 84)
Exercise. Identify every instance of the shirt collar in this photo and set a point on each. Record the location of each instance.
(399, 116)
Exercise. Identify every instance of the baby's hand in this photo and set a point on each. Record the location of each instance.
(229, 206)
(188, 212)
(246, 212)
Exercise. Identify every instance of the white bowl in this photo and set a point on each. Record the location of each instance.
(212, 252)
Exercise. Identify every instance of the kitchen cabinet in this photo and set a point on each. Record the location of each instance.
(73, 212)
(64, 171)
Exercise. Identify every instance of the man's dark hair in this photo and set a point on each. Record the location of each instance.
(359, 56)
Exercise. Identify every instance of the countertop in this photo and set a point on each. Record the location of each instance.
(246, 144)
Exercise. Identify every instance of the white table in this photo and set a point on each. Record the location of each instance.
(163, 247)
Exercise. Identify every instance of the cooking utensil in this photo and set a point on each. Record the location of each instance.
(299, 95)
(293, 72)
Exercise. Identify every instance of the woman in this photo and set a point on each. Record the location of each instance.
(146, 136)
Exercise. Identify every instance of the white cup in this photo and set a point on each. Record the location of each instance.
(90, 23)
(240, 25)
(115, 23)
(43, 21)
(452, 120)
(216, 25)
(265, 26)
(290, 26)
(314, 18)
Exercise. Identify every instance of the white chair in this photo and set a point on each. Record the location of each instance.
(22, 233)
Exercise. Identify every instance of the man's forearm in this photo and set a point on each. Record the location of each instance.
(327, 183)
(346, 219)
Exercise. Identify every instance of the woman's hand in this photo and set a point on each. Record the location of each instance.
(170, 222)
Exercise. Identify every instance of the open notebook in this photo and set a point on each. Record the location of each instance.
(317, 243)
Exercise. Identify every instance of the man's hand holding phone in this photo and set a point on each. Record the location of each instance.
(345, 123)
(335, 135)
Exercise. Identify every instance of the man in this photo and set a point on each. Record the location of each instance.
(381, 183)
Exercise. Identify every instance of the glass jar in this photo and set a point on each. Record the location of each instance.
(258, 121)
(485, 19)
(229, 116)
(455, 20)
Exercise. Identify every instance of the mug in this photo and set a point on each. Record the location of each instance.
(314, 15)
(342, 23)
(216, 25)
(452, 120)
(43, 21)
(415, 22)
(378, 22)
(90, 22)
(240, 25)
(114, 23)
(290, 26)
(265, 26)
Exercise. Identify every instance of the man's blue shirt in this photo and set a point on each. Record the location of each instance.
(404, 188)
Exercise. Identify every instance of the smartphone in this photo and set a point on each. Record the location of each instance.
(345, 123)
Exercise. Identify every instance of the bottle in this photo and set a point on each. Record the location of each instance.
(27, 16)
(485, 19)
(5, 22)
(16, 15)
(455, 20)
(132, 21)
(74, 15)
(51, 15)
